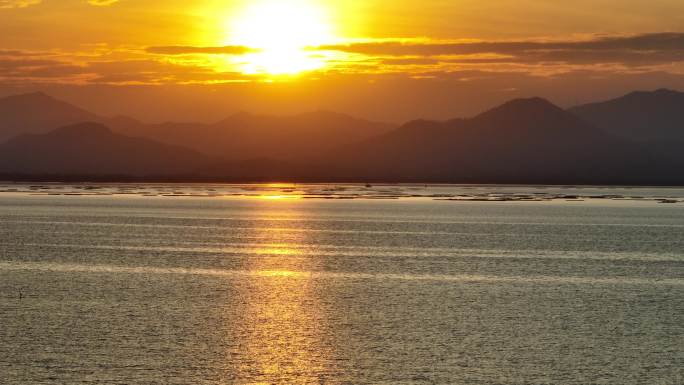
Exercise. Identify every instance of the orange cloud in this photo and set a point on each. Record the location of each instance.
(189, 50)
(6, 4)
(604, 56)
(657, 42)
(101, 3)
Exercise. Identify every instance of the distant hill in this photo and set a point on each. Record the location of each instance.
(37, 113)
(238, 137)
(642, 116)
(93, 149)
(246, 136)
(522, 141)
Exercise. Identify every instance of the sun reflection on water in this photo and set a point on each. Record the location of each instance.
(284, 249)
(283, 273)
(284, 323)
(281, 196)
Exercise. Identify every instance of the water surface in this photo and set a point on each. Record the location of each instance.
(155, 284)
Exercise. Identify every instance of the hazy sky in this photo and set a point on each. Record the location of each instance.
(382, 59)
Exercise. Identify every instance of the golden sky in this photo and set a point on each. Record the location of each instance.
(493, 46)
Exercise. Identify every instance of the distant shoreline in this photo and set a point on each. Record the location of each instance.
(104, 179)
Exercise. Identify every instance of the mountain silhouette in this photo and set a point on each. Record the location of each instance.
(93, 149)
(37, 113)
(641, 116)
(522, 141)
(238, 137)
(246, 136)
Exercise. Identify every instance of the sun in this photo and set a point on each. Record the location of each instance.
(280, 31)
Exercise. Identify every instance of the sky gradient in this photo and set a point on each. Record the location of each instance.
(380, 59)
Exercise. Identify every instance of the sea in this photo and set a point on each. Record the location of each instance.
(340, 284)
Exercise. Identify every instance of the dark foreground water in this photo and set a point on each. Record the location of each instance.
(269, 286)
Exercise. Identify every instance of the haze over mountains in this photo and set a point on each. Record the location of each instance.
(244, 136)
(640, 116)
(635, 139)
(522, 141)
(36, 113)
(238, 137)
(93, 149)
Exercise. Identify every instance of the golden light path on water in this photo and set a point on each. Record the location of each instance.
(283, 304)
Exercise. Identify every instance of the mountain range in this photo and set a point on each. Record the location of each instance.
(521, 141)
(640, 116)
(93, 149)
(635, 139)
(238, 137)
(36, 113)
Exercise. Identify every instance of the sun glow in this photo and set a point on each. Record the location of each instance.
(281, 30)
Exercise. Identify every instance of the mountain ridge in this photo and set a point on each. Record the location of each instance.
(521, 141)
(527, 140)
(640, 115)
(90, 149)
(238, 136)
(37, 112)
